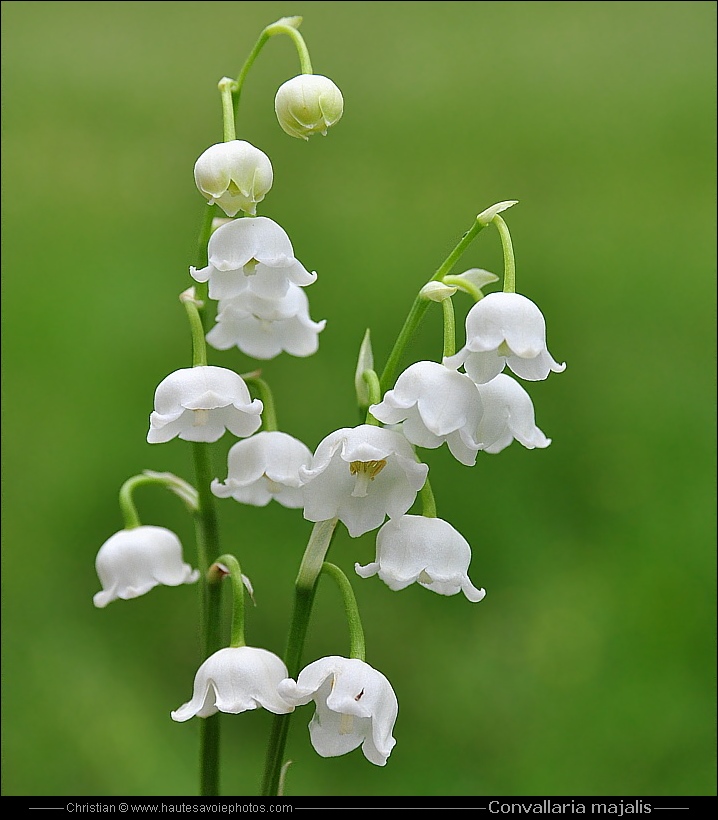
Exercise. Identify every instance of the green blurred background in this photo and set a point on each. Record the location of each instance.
(589, 667)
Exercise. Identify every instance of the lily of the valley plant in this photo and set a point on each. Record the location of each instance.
(247, 290)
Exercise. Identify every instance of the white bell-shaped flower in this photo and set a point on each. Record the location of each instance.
(356, 705)
(265, 467)
(132, 562)
(425, 550)
(501, 329)
(235, 175)
(251, 254)
(508, 415)
(360, 475)
(264, 328)
(308, 104)
(199, 403)
(234, 680)
(437, 405)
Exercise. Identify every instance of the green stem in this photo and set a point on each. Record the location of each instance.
(127, 504)
(288, 26)
(201, 261)
(418, 309)
(458, 251)
(428, 502)
(269, 413)
(449, 328)
(467, 287)
(372, 382)
(206, 531)
(282, 27)
(509, 261)
(207, 536)
(227, 564)
(226, 88)
(357, 647)
(171, 482)
(304, 591)
(199, 346)
(416, 314)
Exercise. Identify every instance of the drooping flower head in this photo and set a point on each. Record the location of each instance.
(263, 328)
(132, 562)
(360, 475)
(265, 467)
(425, 550)
(508, 415)
(356, 706)
(235, 175)
(199, 403)
(251, 254)
(505, 329)
(234, 680)
(308, 104)
(437, 405)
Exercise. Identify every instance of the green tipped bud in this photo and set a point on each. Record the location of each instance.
(365, 362)
(308, 104)
(234, 175)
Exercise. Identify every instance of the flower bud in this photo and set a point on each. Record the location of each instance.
(364, 362)
(308, 104)
(235, 175)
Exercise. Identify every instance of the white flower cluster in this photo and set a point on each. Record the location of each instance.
(355, 703)
(368, 476)
(252, 271)
(481, 408)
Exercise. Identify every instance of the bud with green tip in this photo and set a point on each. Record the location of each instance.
(235, 175)
(365, 362)
(308, 104)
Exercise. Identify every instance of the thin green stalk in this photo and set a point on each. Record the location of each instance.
(509, 261)
(288, 26)
(304, 591)
(201, 261)
(418, 308)
(226, 88)
(127, 504)
(171, 482)
(416, 314)
(458, 251)
(357, 647)
(207, 536)
(269, 412)
(227, 564)
(449, 328)
(199, 345)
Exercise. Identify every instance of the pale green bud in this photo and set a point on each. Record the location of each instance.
(364, 362)
(308, 104)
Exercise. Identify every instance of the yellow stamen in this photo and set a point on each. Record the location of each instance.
(365, 471)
